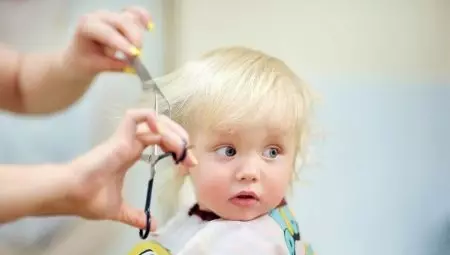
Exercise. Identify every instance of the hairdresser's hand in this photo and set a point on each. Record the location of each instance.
(102, 33)
(100, 174)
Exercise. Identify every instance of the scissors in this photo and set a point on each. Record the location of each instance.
(148, 83)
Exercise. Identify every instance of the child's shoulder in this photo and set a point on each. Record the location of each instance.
(274, 233)
(220, 237)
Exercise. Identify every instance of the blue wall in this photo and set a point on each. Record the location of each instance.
(380, 179)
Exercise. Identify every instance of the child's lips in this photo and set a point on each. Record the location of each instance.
(244, 202)
(245, 199)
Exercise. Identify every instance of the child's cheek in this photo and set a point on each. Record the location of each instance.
(212, 179)
(212, 182)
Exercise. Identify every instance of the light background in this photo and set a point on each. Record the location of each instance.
(381, 177)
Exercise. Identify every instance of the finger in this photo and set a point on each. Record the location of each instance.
(103, 33)
(135, 117)
(135, 218)
(113, 65)
(174, 126)
(108, 63)
(154, 225)
(143, 129)
(171, 142)
(142, 14)
(149, 139)
(110, 52)
(126, 25)
(168, 139)
(166, 122)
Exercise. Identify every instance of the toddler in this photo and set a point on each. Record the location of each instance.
(246, 114)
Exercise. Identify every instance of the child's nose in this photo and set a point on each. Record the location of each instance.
(248, 172)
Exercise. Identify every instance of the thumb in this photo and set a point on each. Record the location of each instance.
(135, 217)
(105, 63)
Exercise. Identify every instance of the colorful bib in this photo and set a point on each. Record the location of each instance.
(284, 217)
(149, 248)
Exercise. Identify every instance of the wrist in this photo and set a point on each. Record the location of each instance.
(73, 66)
(60, 182)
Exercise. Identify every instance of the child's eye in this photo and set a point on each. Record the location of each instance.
(227, 151)
(271, 152)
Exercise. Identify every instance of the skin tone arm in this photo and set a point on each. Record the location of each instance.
(46, 83)
(40, 83)
(34, 192)
(91, 185)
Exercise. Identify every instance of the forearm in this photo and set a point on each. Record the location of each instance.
(49, 83)
(40, 83)
(34, 191)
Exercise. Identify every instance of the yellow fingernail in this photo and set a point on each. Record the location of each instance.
(129, 70)
(135, 51)
(150, 26)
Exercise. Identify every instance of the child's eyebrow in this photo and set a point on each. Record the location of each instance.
(276, 132)
(223, 130)
(273, 133)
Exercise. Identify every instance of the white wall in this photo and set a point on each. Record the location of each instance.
(402, 39)
(382, 177)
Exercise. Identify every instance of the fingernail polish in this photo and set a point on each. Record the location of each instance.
(135, 51)
(129, 70)
(150, 26)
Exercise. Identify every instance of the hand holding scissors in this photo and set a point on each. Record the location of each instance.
(96, 178)
(148, 84)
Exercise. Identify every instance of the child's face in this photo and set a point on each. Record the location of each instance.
(243, 172)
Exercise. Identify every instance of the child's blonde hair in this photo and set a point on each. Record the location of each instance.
(234, 85)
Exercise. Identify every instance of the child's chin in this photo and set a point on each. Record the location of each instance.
(243, 216)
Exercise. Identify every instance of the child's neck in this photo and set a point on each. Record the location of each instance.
(208, 215)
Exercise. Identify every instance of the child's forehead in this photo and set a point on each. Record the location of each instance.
(249, 128)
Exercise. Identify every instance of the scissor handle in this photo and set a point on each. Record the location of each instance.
(183, 153)
(149, 158)
(143, 233)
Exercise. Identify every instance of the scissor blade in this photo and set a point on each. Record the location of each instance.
(142, 72)
(144, 75)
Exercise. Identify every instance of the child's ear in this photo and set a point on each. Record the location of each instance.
(183, 170)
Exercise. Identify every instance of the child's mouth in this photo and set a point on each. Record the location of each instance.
(245, 199)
